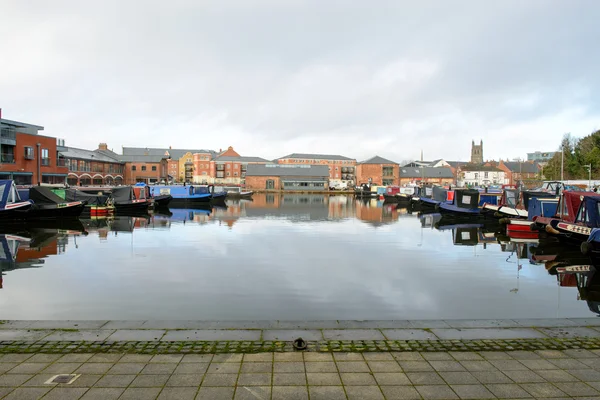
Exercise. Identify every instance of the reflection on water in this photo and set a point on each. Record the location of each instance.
(289, 257)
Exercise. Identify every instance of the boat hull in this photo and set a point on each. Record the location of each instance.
(68, 210)
(18, 211)
(134, 207)
(452, 210)
(162, 201)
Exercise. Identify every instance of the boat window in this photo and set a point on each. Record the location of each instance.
(581, 215)
(191, 190)
(2, 188)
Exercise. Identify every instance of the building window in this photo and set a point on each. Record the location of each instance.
(485, 174)
(28, 153)
(388, 182)
(154, 168)
(235, 166)
(228, 166)
(133, 168)
(388, 171)
(476, 175)
(235, 174)
(143, 167)
(203, 172)
(227, 173)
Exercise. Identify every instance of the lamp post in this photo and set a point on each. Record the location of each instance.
(562, 162)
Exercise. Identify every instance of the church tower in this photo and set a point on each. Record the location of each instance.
(477, 153)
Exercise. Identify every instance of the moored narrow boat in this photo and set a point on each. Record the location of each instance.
(49, 205)
(236, 192)
(466, 203)
(11, 205)
(96, 205)
(182, 196)
(126, 203)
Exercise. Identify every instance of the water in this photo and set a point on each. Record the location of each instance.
(291, 257)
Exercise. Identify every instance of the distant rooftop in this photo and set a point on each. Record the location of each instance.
(426, 172)
(93, 155)
(242, 159)
(21, 127)
(378, 160)
(175, 154)
(308, 156)
(523, 167)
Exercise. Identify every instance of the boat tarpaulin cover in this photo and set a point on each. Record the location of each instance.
(123, 194)
(439, 193)
(466, 198)
(530, 194)
(90, 199)
(44, 195)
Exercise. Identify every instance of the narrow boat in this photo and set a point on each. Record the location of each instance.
(142, 191)
(236, 192)
(577, 214)
(11, 205)
(507, 207)
(126, 203)
(390, 194)
(182, 196)
(466, 203)
(537, 207)
(438, 195)
(406, 194)
(96, 205)
(49, 205)
(217, 197)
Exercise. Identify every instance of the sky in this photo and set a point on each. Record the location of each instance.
(273, 77)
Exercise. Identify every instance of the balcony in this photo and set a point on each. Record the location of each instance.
(45, 162)
(7, 158)
(8, 136)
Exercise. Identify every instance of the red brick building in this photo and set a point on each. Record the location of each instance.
(341, 169)
(378, 170)
(515, 172)
(27, 157)
(98, 167)
(224, 168)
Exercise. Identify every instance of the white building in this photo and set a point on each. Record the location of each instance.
(479, 175)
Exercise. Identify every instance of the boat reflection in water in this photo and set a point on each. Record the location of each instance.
(26, 245)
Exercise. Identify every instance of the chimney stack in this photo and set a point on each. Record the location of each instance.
(102, 146)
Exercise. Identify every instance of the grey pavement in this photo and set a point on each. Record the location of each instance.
(170, 331)
(382, 375)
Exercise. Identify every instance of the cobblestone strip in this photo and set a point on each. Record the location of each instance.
(217, 347)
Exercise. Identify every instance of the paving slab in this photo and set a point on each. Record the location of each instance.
(428, 324)
(352, 334)
(67, 324)
(488, 333)
(570, 332)
(124, 324)
(408, 334)
(545, 322)
(482, 323)
(292, 334)
(211, 335)
(22, 334)
(137, 335)
(17, 324)
(585, 321)
(98, 335)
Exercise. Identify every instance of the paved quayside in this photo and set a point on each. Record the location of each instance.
(556, 358)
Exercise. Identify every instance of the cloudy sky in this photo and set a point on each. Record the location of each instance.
(272, 77)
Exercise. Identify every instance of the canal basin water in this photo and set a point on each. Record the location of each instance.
(278, 257)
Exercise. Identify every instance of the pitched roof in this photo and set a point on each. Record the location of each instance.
(242, 159)
(142, 158)
(92, 155)
(524, 167)
(479, 167)
(378, 160)
(288, 170)
(426, 172)
(175, 154)
(307, 156)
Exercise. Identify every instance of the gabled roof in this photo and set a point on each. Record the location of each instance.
(378, 160)
(307, 156)
(524, 167)
(242, 159)
(426, 172)
(149, 159)
(92, 155)
(288, 170)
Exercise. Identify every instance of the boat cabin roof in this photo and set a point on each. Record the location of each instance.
(589, 211)
(8, 193)
(568, 205)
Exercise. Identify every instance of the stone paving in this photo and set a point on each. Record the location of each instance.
(313, 375)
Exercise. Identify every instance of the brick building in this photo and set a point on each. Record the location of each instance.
(341, 169)
(87, 167)
(224, 168)
(378, 170)
(434, 175)
(515, 172)
(28, 157)
(287, 177)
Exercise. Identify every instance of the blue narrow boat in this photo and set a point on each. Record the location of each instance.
(210, 190)
(466, 203)
(182, 196)
(438, 195)
(11, 205)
